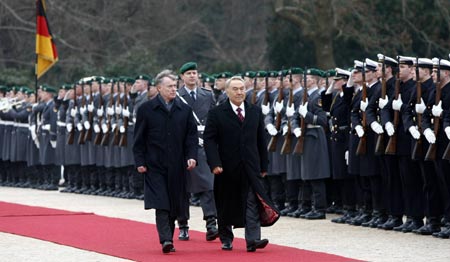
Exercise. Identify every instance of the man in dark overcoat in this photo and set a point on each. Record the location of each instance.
(236, 152)
(165, 148)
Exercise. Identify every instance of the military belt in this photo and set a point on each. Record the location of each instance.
(6, 123)
(313, 126)
(26, 125)
(61, 124)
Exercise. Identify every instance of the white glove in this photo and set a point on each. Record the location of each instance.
(272, 130)
(278, 107)
(359, 131)
(126, 112)
(122, 129)
(390, 130)
(363, 105)
(82, 110)
(397, 103)
(447, 132)
(73, 112)
(350, 79)
(118, 109)
(420, 108)
(100, 112)
(285, 129)
(297, 132)
(376, 127)
(265, 109)
(69, 128)
(32, 128)
(437, 109)
(110, 111)
(96, 128)
(46, 127)
(79, 126)
(382, 102)
(104, 128)
(429, 135)
(87, 126)
(53, 143)
(33, 134)
(36, 142)
(346, 157)
(113, 126)
(414, 131)
(90, 107)
(290, 110)
(303, 109)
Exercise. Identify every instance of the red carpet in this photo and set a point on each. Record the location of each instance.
(133, 240)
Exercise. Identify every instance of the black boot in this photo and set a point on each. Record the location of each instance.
(211, 229)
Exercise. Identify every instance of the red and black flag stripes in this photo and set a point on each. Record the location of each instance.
(46, 52)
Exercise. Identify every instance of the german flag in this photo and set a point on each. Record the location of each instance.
(46, 55)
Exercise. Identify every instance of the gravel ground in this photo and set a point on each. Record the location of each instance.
(323, 236)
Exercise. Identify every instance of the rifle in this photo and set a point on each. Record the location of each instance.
(362, 145)
(123, 137)
(116, 140)
(83, 104)
(71, 136)
(298, 149)
(272, 147)
(105, 139)
(266, 94)
(391, 147)
(286, 148)
(379, 147)
(254, 93)
(98, 137)
(417, 152)
(431, 152)
(88, 136)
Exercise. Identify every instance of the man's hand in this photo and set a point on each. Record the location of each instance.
(397, 103)
(420, 108)
(271, 130)
(414, 131)
(278, 107)
(390, 130)
(303, 109)
(359, 131)
(217, 170)
(382, 102)
(265, 109)
(191, 163)
(263, 174)
(290, 110)
(437, 109)
(363, 105)
(142, 169)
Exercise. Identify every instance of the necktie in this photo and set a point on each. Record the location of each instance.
(193, 95)
(239, 114)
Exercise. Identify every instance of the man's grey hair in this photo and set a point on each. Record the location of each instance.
(233, 78)
(165, 73)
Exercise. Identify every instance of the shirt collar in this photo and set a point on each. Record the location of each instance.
(235, 107)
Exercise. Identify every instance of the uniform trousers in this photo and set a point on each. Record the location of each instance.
(315, 191)
(443, 174)
(165, 224)
(394, 194)
(433, 198)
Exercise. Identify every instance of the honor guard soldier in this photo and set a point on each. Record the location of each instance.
(47, 140)
(219, 89)
(336, 100)
(315, 146)
(200, 180)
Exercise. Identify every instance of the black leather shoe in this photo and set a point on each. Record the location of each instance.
(303, 212)
(315, 215)
(257, 244)
(212, 234)
(184, 234)
(228, 246)
(427, 229)
(343, 219)
(167, 247)
(392, 223)
(287, 210)
(414, 225)
(361, 219)
(403, 226)
(444, 233)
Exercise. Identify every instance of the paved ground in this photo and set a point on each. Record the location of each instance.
(323, 236)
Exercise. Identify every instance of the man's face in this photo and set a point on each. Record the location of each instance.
(152, 91)
(220, 83)
(260, 83)
(140, 85)
(248, 82)
(61, 93)
(78, 90)
(286, 82)
(311, 81)
(338, 83)
(236, 92)
(168, 89)
(357, 77)
(190, 78)
(424, 73)
(379, 73)
(370, 75)
(95, 87)
(405, 72)
(434, 75)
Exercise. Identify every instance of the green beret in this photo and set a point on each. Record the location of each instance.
(48, 89)
(23, 89)
(250, 74)
(67, 86)
(296, 71)
(314, 72)
(3, 88)
(97, 78)
(210, 79)
(331, 72)
(224, 75)
(105, 80)
(273, 73)
(143, 77)
(152, 83)
(261, 74)
(15, 88)
(29, 92)
(129, 80)
(188, 66)
(202, 75)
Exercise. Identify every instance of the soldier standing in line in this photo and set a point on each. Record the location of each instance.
(61, 105)
(219, 89)
(200, 180)
(47, 140)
